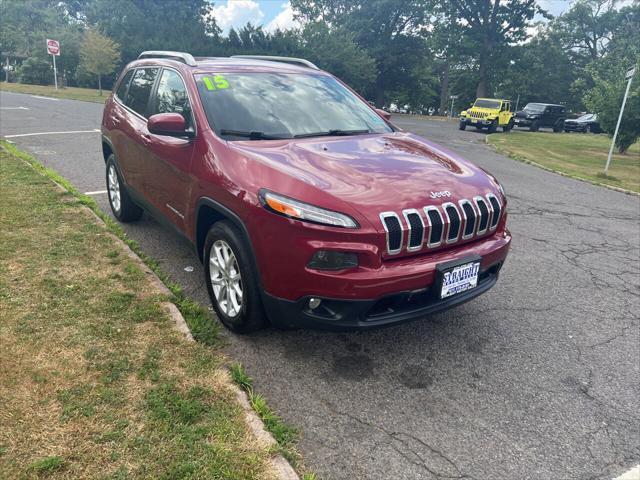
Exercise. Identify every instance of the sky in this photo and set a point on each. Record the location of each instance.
(272, 14)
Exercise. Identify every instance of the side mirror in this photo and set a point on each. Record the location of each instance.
(383, 114)
(169, 124)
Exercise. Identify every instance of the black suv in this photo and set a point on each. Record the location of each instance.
(537, 115)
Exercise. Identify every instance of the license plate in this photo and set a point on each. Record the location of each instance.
(459, 279)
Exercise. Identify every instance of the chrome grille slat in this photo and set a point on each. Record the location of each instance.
(437, 225)
(416, 229)
(393, 227)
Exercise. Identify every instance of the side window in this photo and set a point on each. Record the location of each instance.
(171, 96)
(121, 92)
(140, 89)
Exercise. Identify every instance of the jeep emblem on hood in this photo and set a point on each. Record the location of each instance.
(445, 193)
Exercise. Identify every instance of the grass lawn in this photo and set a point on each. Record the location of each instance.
(73, 93)
(95, 381)
(579, 155)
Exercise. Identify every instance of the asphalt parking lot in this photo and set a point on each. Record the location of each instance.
(537, 379)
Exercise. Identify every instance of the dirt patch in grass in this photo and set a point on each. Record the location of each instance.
(95, 380)
(72, 93)
(579, 155)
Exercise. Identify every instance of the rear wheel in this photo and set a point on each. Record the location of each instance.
(587, 129)
(507, 128)
(232, 279)
(122, 206)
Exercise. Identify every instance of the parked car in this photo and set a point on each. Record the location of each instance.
(489, 113)
(535, 116)
(306, 205)
(587, 123)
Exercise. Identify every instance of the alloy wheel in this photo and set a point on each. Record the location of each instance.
(226, 280)
(114, 188)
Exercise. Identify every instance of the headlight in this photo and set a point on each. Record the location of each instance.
(531, 116)
(303, 211)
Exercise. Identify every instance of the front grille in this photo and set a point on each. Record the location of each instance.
(478, 114)
(436, 225)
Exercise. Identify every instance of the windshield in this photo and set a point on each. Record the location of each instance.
(534, 108)
(275, 105)
(483, 103)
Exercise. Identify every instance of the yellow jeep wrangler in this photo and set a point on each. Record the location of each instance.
(490, 113)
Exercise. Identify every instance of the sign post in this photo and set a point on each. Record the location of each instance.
(628, 76)
(53, 49)
(453, 98)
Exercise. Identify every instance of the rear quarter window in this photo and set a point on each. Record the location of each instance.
(140, 90)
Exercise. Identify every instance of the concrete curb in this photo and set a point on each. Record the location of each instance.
(557, 172)
(280, 467)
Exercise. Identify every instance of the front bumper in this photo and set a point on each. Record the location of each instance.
(522, 122)
(341, 314)
(574, 127)
(481, 122)
(401, 290)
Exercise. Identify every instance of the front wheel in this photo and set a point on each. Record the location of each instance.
(462, 125)
(122, 206)
(232, 279)
(534, 127)
(493, 126)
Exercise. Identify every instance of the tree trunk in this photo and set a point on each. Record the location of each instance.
(444, 87)
(100, 84)
(481, 91)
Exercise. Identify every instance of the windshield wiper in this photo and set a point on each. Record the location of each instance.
(252, 135)
(330, 133)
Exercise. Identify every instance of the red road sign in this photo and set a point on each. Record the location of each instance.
(53, 47)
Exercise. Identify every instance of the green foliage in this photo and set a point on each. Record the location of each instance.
(47, 464)
(99, 54)
(606, 99)
(36, 71)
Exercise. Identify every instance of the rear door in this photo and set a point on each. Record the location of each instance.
(133, 125)
(169, 158)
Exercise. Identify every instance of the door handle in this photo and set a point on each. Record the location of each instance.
(146, 139)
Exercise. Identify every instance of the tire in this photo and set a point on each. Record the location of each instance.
(534, 127)
(508, 127)
(587, 129)
(493, 127)
(462, 126)
(228, 260)
(122, 206)
(558, 127)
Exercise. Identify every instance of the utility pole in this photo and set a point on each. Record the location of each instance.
(628, 76)
(517, 103)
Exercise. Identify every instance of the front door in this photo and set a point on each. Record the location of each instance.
(168, 162)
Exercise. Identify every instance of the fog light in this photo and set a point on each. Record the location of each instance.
(314, 303)
(330, 260)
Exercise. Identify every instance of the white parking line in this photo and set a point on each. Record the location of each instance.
(51, 133)
(45, 98)
(633, 474)
(14, 108)
(97, 192)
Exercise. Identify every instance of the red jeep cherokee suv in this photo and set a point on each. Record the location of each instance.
(305, 204)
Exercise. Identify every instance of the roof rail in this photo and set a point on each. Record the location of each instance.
(179, 56)
(293, 60)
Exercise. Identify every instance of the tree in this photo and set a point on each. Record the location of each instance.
(99, 55)
(605, 98)
(35, 71)
(387, 29)
(492, 26)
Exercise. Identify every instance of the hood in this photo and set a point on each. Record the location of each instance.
(372, 173)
